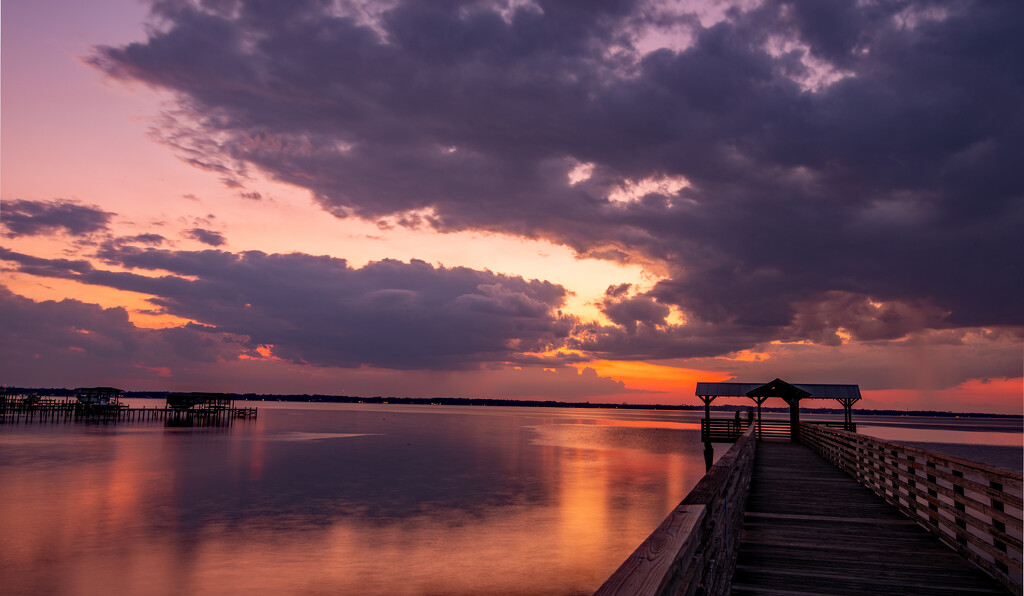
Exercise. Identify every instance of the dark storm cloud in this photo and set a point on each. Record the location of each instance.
(929, 360)
(838, 154)
(318, 310)
(30, 218)
(208, 237)
(150, 239)
(75, 340)
(632, 311)
(644, 342)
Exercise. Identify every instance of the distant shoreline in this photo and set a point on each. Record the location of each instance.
(471, 401)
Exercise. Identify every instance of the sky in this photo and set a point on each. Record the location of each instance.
(600, 201)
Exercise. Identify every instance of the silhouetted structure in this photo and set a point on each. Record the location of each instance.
(200, 402)
(713, 431)
(99, 396)
(821, 514)
(103, 404)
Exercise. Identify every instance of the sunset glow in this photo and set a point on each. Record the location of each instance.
(601, 205)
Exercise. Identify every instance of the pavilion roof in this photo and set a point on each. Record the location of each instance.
(816, 391)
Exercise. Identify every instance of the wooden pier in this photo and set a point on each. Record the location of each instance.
(838, 513)
(15, 408)
(810, 528)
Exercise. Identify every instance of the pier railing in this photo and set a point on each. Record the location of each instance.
(975, 509)
(694, 550)
(722, 430)
(773, 429)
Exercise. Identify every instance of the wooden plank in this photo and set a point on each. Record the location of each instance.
(781, 516)
(811, 528)
(645, 571)
(969, 507)
(863, 582)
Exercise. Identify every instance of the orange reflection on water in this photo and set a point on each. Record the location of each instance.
(61, 530)
(648, 424)
(113, 513)
(583, 507)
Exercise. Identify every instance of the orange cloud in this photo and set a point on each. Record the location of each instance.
(673, 382)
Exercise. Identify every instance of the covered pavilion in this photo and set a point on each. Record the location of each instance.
(791, 393)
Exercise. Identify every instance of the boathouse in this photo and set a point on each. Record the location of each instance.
(99, 396)
(200, 402)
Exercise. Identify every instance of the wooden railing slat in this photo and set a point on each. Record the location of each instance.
(915, 481)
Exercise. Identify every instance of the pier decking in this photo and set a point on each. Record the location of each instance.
(839, 513)
(809, 528)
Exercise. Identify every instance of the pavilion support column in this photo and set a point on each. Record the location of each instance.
(794, 419)
(758, 401)
(848, 412)
(709, 449)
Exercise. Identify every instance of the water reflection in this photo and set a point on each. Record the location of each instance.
(346, 499)
(339, 499)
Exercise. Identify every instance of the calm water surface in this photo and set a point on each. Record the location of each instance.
(356, 499)
(349, 499)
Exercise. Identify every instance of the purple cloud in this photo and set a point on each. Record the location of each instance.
(150, 239)
(79, 342)
(632, 311)
(208, 237)
(319, 311)
(32, 218)
(812, 157)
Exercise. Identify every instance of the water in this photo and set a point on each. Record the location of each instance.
(350, 499)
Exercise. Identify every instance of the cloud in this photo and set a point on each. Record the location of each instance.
(31, 218)
(648, 342)
(632, 311)
(71, 342)
(319, 311)
(924, 361)
(208, 237)
(835, 156)
(149, 238)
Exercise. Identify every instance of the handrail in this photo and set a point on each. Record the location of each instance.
(722, 430)
(773, 429)
(695, 548)
(973, 508)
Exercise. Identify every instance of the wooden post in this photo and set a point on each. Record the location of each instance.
(847, 412)
(794, 419)
(759, 400)
(709, 449)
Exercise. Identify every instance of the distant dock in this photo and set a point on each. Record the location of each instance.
(103, 404)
